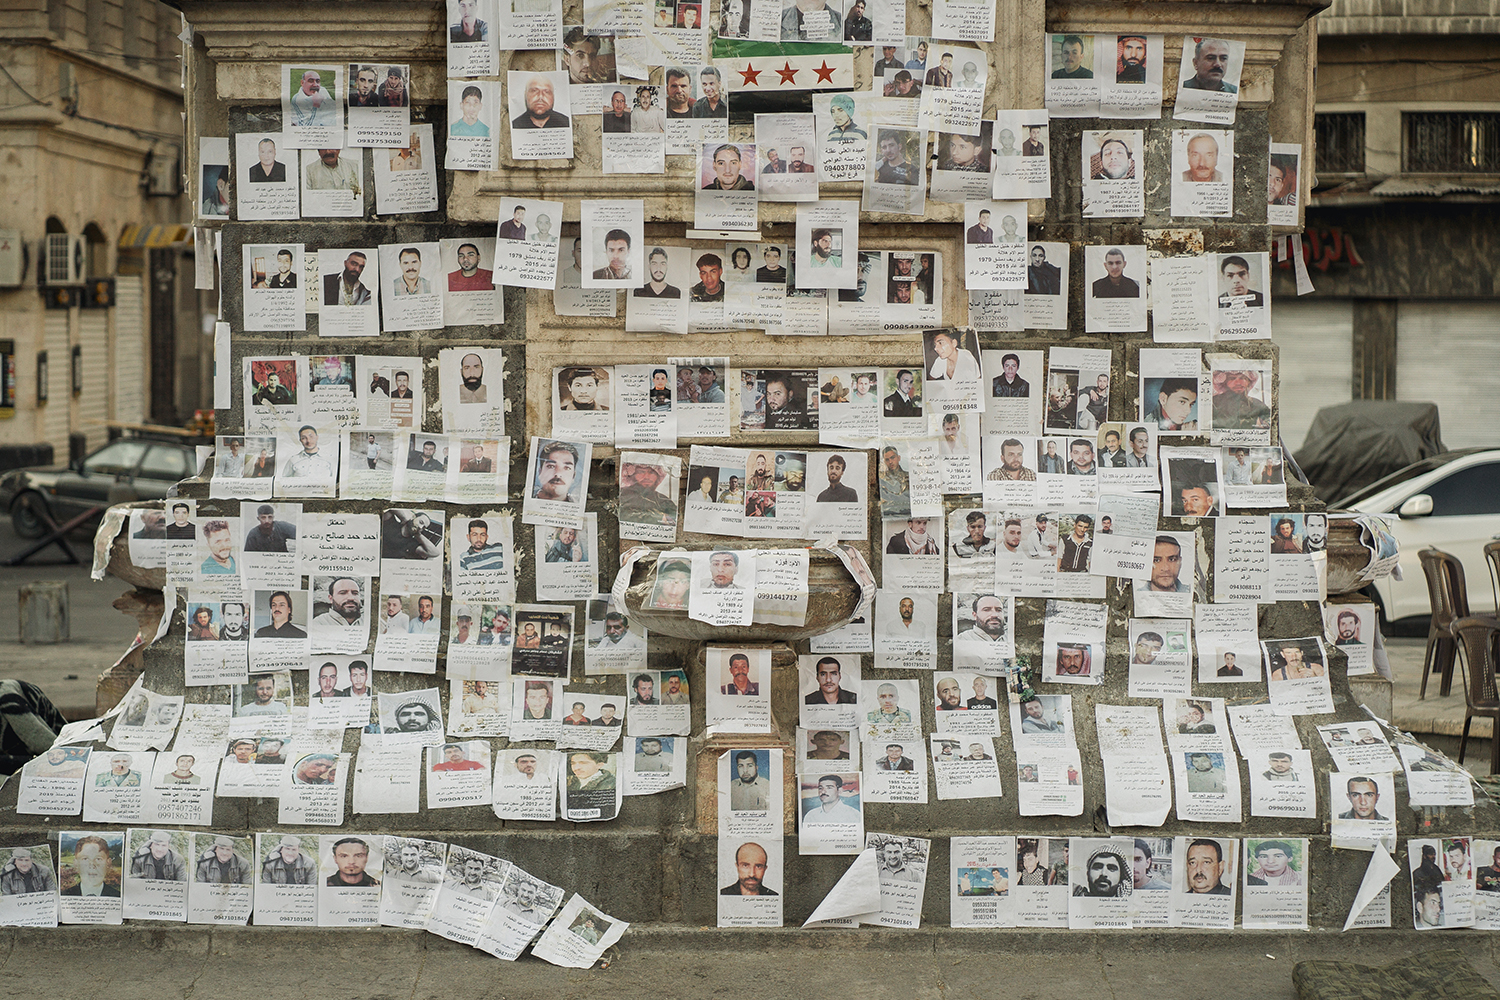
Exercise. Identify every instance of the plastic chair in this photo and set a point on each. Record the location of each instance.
(1479, 639)
(1449, 599)
(1492, 559)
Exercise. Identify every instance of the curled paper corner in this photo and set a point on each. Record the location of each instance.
(856, 895)
(1378, 874)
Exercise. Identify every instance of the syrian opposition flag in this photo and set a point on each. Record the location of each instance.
(766, 67)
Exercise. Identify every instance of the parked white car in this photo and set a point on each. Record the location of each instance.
(1450, 502)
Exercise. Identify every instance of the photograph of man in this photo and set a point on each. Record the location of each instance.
(281, 626)
(1348, 629)
(539, 112)
(345, 288)
(966, 153)
(1235, 271)
(712, 103)
(1105, 874)
(811, 21)
(893, 863)
(739, 673)
(889, 712)
(288, 864)
(710, 284)
(749, 790)
(1115, 160)
(1114, 284)
(469, 27)
(895, 167)
(1166, 567)
(411, 281)
(1176, 405)
(1142, 871)
(403, 386)
(1281, 180)
(330, 172)
(1205, 868)
(980, 232)
(157, 859)
(215, 189)
(649, 758)
(949, 696)
(557, 469)
(456, 758)
(1033, 146)
(658, 287)
(1278, 766)
(221, 864)
(350, 856)
(1273, 865)
(830, 691)
(750, 867)
(1072, 57)
(1229, 668)
(1428, 901)
(1081, 458)
(989, 613)
(607, 715)
(1034, 720)
(92, 859)
(588, 773)
(617, 255)
(975, 543)
(119, 774)
(1364, 797)
(830, 808)
(941, 75)
(416, 716)
(727, 164)
(1315, 531)
(1077, 545)
(309, 463)
(646, 116)
(914, 541)
(183, 774)
(268, 170)
(1210, 64)
(408, 864)
(1130, 62)
(1283, 539)
(901, 403)
(1487, 879)
(954, 361)
(315, 769)
(826, 744)
(311, 104)
(1202, 160)
(24, 874)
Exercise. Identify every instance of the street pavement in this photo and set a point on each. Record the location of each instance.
(196, 963)
(68, 672)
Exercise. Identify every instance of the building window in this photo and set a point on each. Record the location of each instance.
(1341, 142)
(1451, 142)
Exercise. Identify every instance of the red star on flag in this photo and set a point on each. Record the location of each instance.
(825, 73)
(751, 75)
(787, 74)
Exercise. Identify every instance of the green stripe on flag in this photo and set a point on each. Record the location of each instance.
(736, 48)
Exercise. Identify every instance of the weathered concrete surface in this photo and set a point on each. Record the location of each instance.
(150, 963)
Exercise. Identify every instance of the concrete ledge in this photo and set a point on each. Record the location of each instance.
(152, 961)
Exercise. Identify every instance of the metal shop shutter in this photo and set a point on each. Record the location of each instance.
(130, 350)
(1445, 354)
(93, 403)
(55, 417)
(1315, 338)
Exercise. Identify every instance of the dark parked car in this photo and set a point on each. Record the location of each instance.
(121, 471)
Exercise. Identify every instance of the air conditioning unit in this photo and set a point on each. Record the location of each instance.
(62, 260)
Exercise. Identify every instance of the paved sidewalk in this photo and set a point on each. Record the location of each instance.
(68, 671)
